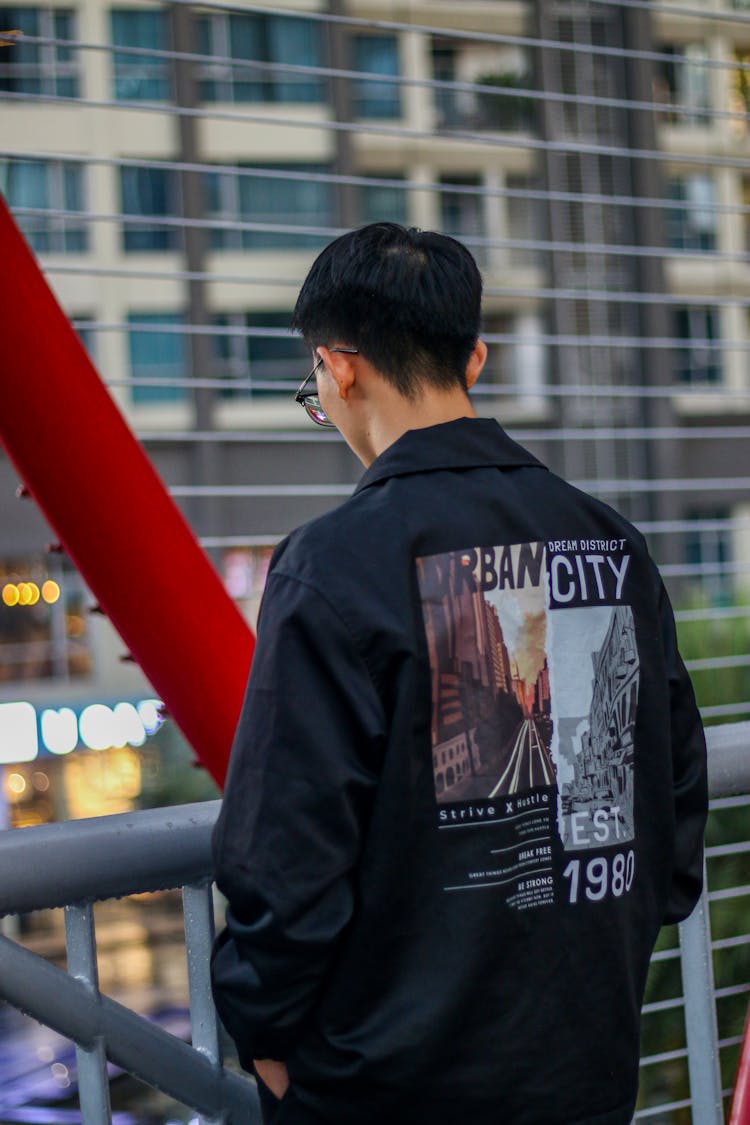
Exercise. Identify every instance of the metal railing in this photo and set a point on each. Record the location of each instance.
(74, 864)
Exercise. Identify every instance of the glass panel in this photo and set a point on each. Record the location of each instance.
(20, 70)
(247, 41)
(49, 186)
(156, 355)
(140, 77)
(697, 363)
(295, 41)
(444, 70)
(682, 83)
(272, 358)
(693, 225)
(376, 54)
(71, 190)
(63, 29)
(693, 85)
(710, 547)
(26, 185)
(384, 203)
(218, 188)
(207, 85)
(148, 191)
(271, 200)
(525, 220)
(462, 214)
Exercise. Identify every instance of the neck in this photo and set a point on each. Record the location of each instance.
(390, 419)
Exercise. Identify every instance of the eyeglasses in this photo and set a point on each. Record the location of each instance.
(311, 400)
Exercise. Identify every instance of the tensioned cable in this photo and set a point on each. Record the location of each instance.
(242, 171)
(232, 62)
(624, 487)
(613, 249)
(714, 613)
(500, 390)
(578, 433)
(659, 343)
(707, 569)
(496, 140)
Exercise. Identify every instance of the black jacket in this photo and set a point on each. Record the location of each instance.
(467, 788)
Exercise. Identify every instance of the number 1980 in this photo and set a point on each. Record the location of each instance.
(601, 876)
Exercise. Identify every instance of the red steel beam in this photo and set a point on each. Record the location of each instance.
(740, 1112)
(113, 516)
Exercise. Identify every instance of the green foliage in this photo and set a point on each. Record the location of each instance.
(730, 918)
(505, 110)
(720, 636)
(169, 775)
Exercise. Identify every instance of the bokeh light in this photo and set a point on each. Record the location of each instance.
(50, 591)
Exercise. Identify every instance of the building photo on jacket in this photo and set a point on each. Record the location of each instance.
(534, 697)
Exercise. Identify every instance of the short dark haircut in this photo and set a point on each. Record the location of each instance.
(408, 300)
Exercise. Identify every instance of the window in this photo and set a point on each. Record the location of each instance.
(525, 219)
(239, 40)
(271, 200)
(447, 101)
(272, 355)
(692, 224)
(151, 192)
(519, 363)
(52, 186)
(739, 92)
(699, 360)
(375, 54)
(500, 71)
(157, 356)
(43, 623)
(384, 202)
(461, 212)
(682, 84)
(140, 78)
(39, 68)
(707, 544)
(85, 327)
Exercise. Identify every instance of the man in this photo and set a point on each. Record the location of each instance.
(468, 783)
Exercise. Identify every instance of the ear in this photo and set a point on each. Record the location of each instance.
(341, 368)
(476, 362)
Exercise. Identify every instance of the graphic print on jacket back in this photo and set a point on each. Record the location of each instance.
(534, 674)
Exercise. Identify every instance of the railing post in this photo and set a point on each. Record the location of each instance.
(696, 960)
(93, 1084)
(198, 913)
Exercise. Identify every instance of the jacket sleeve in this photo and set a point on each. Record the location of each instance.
(689, 775)
(303, 769)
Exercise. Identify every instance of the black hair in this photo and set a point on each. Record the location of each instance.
(408, 300)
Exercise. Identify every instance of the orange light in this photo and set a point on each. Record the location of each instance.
(50, 592)
(24, 593)
(10, 594)
(17, 783)
(33, 593)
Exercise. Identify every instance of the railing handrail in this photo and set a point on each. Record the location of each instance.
(80, 861)
(87, 860)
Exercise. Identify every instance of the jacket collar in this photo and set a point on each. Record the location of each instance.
(465, 443)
